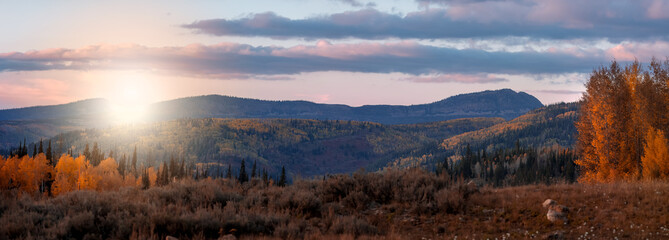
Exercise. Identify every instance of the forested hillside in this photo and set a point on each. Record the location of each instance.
(504, 103)
(546, 126)
(35, 123)
(304, 147)
(314, 147)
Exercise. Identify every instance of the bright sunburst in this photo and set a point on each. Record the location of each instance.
(130, 100)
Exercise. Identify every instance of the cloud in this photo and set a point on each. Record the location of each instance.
(556, 91)
(353, 3)
(20, 92)
(643, 51)
(232, 60)
(456, 78)
(615, 20)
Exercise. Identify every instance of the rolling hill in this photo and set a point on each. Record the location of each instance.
(34, 123)
(546, 126)
(304, 147)
(504, 103)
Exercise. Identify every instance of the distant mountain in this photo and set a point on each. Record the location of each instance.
(504, 103)
(41, 122)
(33, 123)
(80, 109)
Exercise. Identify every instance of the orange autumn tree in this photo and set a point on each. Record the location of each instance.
(87, 179)
(655, 161)
(66, 175)
(33, 173)
(10, 177)
(73, 174)
(108, 176)
(619, 106)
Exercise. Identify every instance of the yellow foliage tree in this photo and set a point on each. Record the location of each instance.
(10, 172)
(620, 105)
(4, 177)
(33, 173)
(86, 178)
(655, 161)
(153, 176)
(109, 178)
(66, 175)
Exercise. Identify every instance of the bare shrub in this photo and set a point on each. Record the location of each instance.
(354, 226)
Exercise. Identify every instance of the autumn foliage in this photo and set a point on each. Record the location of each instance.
(623, 123)
(34, 175)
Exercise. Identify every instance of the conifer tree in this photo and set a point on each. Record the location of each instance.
(25, 148)
(282, 179)
(146, 183)
(265, 177)
(122, 166)
(229, 174)
(49, 154)
(87, 152)
(243, 176)
(41, 148)
(253, 170)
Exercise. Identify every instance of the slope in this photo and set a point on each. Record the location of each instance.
(34, 123)
(305, 147)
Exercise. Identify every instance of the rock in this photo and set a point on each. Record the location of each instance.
(171, 238)
(549, 202)
(555, 211)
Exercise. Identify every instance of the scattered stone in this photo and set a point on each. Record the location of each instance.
(555, 211)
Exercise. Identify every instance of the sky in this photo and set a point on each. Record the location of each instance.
(352, 52)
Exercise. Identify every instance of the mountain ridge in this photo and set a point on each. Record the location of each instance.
(504, 103)
(41, 122)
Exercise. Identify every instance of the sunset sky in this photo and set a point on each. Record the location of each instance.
(351, 52)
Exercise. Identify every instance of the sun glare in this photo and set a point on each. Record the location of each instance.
(130, 102)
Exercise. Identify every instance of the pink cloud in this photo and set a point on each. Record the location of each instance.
(242, 61)
(31, 91)
(658, 9)
(643, 51)
(322, 98)
(456, 78)
(556, 91)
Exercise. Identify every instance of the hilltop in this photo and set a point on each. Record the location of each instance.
(504, 103)
(41, 122)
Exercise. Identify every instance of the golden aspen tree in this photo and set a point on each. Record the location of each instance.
(86, 178)
(655, 160)
(617, 109)
(4, 177)
(66, 175)
(33, 173)
(107, 172)
(10, 172)
(153, 176)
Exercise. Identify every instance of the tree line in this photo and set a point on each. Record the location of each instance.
(42, 174)
(512, 166)
(624, 122)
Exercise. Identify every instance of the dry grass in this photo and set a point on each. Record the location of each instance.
(410, 204)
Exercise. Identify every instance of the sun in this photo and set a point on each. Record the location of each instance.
(130, 101)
